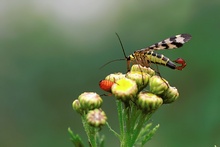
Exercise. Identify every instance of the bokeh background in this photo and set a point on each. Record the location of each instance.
(51, 51)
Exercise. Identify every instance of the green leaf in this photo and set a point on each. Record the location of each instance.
(101, 140)
(150, 134)
(75, 138)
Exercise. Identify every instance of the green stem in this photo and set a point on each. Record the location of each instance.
(116, 134)
(90, 132)
(128, 126)
(93, 137)
(137, 129)
(135, 113)
(120, 118)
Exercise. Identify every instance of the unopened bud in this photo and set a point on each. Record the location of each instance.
(140, 78)
(139, 68)
(76, 106)
(90, 100)
(148, 101)
(170, 95)
(114, 77)
(158, 85)
(96, 117)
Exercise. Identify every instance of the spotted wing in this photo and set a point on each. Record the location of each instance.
(169, 43)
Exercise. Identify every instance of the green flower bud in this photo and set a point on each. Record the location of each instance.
(76, 106)
(148, 101)
(158, 85)
(170, 95)
(96, 118)
(139, 68)
(114, 77)
(140, 78)
(125, 89)
(90, 100)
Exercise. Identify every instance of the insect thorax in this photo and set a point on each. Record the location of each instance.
(148, 57)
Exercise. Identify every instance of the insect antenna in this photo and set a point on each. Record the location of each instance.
(110, 62)
(121, 45)
(126, 58)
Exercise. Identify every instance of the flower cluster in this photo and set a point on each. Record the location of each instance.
(132, 86)
(139, 93)
(89, 104)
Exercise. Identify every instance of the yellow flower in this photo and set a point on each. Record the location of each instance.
(125, 89)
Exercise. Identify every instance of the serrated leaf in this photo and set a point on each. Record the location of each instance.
(75, 138)
(150, 134)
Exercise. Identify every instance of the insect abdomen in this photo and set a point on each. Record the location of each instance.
(153, 57)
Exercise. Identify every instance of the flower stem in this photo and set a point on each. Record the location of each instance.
(120, 118)
(140, 122)
(90, 132)
(128, 126)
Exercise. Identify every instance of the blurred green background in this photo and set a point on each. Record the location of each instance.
(51, 51)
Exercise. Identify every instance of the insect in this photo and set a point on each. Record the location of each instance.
(146, 56)
(106, 85)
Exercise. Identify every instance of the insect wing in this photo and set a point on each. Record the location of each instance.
(169, 43)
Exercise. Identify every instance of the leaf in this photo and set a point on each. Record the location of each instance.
(75, 138)
(150, 134)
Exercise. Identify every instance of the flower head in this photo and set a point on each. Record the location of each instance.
(90, 100)
(140, 78)
(158, 85)
(76, 106)
(139, 68)
(125, 89)
(148, 101)
(170, 95)
(114, 77)
(96, 117)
